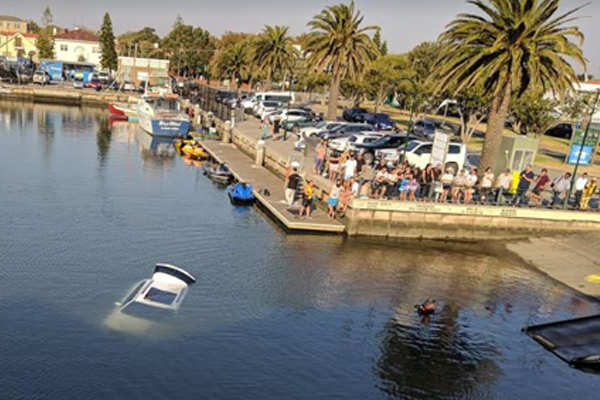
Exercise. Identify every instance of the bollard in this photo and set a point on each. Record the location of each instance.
(260, 153)
(226, 135)
(198, 115)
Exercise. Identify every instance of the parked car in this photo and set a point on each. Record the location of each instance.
(349, 142)
(41, 78)
(354, 114)
(425, 128)
(300, 124)
(104, 77)
(128, 86)
(344, 130)
(321, 127)
(392, 141)
(561, 130)
(381, 122)
(290, 115)
(419, 153)
(266, 107)
(94, 83)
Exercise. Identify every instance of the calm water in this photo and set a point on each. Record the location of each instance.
(85, 212)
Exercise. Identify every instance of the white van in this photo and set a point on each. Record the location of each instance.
(256, 98)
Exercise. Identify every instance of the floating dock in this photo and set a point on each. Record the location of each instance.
(260, 178)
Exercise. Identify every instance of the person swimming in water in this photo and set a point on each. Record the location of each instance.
(426, 308)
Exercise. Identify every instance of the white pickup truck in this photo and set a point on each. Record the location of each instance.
(418, 153)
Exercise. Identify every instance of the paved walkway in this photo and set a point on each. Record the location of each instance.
(572, 260)
(244, 169)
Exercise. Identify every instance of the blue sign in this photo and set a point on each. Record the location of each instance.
(580, 153)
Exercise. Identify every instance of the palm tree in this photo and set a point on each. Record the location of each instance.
(233, 63)
(274, 51)
(511, 46)
(338, 44)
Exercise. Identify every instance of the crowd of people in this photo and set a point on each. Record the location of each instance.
(350, 177)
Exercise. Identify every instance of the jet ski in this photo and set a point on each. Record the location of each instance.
(218, 173)
(241, 194)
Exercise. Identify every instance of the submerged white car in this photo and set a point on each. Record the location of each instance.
(152, 300)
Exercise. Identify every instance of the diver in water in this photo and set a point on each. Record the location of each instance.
(426, 308)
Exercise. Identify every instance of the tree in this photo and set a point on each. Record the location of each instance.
(233, 63)
(274, 51)
(33, 27)
(381, 45)
(355, 90)
(385, 75)
(511, 46)
(189, 49)
(45, 42)
(143, 41)
(472, 106)
(340, 45)
(533, 113)
(108, 51)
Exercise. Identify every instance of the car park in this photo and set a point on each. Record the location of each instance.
(381, 122)
(344, 130)
(356, 114)
(391, 141)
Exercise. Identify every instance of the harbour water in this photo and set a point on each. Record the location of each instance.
(85, 212)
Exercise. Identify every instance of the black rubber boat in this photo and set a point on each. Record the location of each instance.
(218, 173)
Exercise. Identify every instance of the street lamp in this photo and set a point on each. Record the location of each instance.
(583, 143)
(285, 129)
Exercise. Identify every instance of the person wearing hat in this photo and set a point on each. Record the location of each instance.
(588, 192)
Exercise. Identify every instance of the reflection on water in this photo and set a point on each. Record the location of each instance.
(87, 210)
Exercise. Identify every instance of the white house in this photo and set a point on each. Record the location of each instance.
(77, 45)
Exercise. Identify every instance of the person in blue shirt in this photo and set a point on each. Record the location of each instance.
(527, 177)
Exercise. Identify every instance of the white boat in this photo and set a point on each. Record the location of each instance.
(161, 115)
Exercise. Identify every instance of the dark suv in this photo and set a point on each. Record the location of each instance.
(562, 130)
(355, 114)
(344, 130)
(387, 142)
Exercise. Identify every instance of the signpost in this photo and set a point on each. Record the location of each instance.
(582, 145)
(440, 149)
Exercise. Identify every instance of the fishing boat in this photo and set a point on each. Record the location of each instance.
(241, 194)
(161, 115)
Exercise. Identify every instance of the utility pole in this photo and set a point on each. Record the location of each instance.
(585, 136)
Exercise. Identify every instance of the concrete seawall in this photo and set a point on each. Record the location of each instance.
(54, 95)
(394, 219)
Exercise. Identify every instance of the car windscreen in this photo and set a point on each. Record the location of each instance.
(411, 146)
(270, 104)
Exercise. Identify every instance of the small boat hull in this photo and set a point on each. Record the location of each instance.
(239, 199)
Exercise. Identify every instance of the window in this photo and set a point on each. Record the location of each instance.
(94, 49)
(454, 149)
(425, 149)
(64, 47)
(18, 41)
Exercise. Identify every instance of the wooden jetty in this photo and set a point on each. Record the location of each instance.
(260, 178)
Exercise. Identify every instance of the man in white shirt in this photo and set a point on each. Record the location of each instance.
(350, 168)
(560, 186)
(503, 184)
(580, 185)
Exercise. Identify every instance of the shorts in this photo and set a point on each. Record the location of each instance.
(537, 192)
(446, 186)
(306, 202)
(333, 202)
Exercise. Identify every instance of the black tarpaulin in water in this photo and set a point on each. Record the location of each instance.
(576, 341)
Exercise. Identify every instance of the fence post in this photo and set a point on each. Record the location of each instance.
(260, 153)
